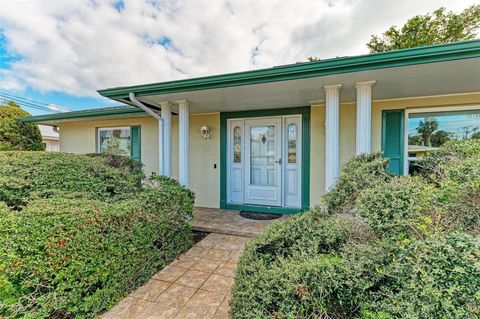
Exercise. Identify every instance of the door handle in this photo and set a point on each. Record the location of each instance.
(279, 161)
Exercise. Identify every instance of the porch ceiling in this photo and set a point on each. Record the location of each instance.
(450, 77)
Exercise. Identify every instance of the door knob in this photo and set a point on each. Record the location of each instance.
(279, 161)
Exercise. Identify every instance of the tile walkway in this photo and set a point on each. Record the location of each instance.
(215, 220)
(196, 285)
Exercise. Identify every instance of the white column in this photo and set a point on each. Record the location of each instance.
(332, 131)
(364, 116)
(167, 137)
(160, 146)
(183, 145)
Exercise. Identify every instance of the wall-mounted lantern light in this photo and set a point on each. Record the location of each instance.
(205, 130)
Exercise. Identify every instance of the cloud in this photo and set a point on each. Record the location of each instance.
(77, 47)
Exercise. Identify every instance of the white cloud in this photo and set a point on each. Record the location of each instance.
(77, 47)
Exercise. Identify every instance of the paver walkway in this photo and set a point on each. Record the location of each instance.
(196, 285)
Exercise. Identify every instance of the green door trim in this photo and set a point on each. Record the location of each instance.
(305, 200)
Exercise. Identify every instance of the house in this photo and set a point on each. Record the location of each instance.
(50, 137)
(273, 140)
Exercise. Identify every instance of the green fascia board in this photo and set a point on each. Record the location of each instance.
(305, 111)
(405, 57)
(108, 111)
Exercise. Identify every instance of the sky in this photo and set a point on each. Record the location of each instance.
(60, 52)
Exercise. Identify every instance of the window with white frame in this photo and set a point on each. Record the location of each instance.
(114, 140)
(427, 131)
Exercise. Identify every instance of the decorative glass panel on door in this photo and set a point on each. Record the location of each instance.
(292, 143)
(262, 155)
(237, 145)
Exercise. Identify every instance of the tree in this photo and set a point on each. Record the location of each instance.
(426, 129)
(435, 28)
(440, 137)
(15, 135)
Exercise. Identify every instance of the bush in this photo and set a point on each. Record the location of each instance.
(65, 258)
(435, 278)
(132, 166)
(413, 257)
(17, 136)
(291, 269)
(398, 207)
(28, 175)
(361, 172)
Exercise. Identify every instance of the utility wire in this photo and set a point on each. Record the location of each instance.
(29, 103)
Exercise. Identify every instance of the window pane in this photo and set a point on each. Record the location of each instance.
(292, 144)
(115, 141)
(262, 155)
(237, 145)
(428, 131)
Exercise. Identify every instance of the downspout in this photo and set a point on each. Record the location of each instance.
(134, 100)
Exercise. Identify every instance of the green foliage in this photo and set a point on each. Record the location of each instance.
(435, 278)
(361, 172)
(436, 28)
(78, 232)
(397, 207)
(413, 251)
(17, 136)
(124, 162)
(27, 175)
(291, 271)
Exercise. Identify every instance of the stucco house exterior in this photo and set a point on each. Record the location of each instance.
(274, 140)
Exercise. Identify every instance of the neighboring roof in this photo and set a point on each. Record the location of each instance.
(405, 57)
(106, 111)
(48, 131)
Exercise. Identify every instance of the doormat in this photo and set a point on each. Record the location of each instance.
(259, 216)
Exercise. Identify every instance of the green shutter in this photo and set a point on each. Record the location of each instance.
(393, 139)
(136, 144)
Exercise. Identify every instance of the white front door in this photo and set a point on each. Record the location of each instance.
(263, 166)
(264, 161)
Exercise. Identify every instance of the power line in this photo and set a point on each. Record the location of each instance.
(27, 102)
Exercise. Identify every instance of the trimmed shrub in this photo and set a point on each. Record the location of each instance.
(361, 172)
(435, 278)
(65, 258)
(408, 259)
(132, 166)
(398, 207)
(28, 175)
(17, 136)
(291, 269)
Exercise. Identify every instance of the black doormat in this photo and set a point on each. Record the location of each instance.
(258, 216)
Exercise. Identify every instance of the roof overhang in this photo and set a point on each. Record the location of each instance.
(439, 69)
(424, 71)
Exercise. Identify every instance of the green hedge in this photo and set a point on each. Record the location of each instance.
(76, 257)
(78, 232)
(359, 173)
(403, 247)
(29, 175)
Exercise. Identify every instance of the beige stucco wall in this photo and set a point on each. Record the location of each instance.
(79, 137)
(347, 131)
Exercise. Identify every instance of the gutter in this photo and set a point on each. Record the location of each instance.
(133, 99)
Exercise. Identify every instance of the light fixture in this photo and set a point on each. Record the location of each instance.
(205, 130)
